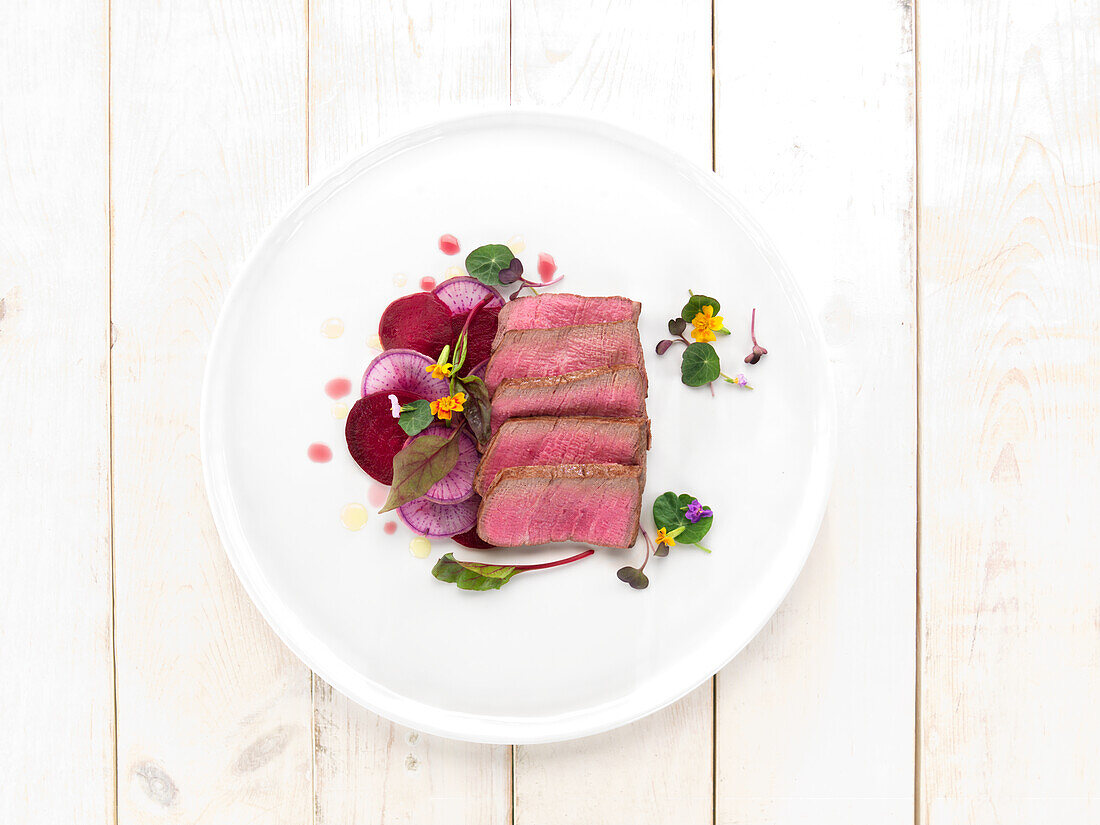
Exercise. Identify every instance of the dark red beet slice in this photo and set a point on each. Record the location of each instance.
(419, 321)
(482, 331)
(472, 540)
(373, 434)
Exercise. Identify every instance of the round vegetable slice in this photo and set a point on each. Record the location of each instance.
(483, 329)
(479, 370)
(471, 539)
(462, 294)
(458, 484)
(403, 369)
(439, 520)
(419, 322)
(374, 437)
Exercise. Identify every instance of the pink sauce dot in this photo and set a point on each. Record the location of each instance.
(319, 452)
(337, 388)
(449, 244)
(427, 283)
(377, 494)
(547, 267)
(389, 528)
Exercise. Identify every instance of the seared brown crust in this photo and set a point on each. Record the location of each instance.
(552, 472)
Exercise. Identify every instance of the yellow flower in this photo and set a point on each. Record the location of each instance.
(662, 537)
(706, 323)
(443, 407)
(441, 371)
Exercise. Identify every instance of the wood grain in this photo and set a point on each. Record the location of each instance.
(815, 130)
(377, 69)
(649, 70)
(1010, 405)
(56, 694)
(208, 137)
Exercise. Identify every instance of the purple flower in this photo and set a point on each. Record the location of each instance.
(696, 511)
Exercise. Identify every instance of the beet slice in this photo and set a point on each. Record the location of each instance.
(439, 520)
(483, 330)
(419, 322)
(463, 293)
(374, 437)
(458, 484)
(403, 369)
(472, 540)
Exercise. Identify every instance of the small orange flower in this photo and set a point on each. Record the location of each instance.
(443, 407)
(705, 324)
(440, 371)
(664, 538)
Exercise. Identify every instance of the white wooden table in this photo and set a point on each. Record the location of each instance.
(932, 173)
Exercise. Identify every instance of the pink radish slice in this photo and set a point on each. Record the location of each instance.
(403, 369)
(439, 520)
(479, 370)
(462, 294)
(458, 484)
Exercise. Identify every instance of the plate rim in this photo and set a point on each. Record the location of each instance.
(311, 650)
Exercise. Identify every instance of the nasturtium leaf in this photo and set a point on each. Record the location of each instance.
(695, 305)
(486, 262)
(668, 512)
(420, 465)
(416, 416)
(471, 575)
(700, 365)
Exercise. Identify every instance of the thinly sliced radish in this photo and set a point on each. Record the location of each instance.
(419, 321)
(458, 484)
(462, 294)
(439, 520)
(403, 369)
(374, 437)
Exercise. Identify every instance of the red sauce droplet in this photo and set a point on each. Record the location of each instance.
(377, 494)
(389, 528)
(547, 267)
(427, 283)
(337, 388)
(319, 452)
(449, 244)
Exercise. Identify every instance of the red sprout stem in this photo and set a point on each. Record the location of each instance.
(648, 548)
(557, 563)
(473, 312)
(752, 328)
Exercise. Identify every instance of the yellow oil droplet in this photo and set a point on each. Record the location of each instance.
(332, 328)
(353, 516)
(454, 271)
(420, 547)
(399, 279)
(517, 244)
(339, 410)
(374, 342)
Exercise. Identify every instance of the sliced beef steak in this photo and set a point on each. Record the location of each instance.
(613, 392)
(528, 442)
(560, 309)
(530, 353)
(586, 503)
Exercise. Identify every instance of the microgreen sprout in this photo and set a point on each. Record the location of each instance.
(757, 350)
(472, 575)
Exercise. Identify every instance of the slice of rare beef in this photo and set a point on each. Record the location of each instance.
(527, 442)
(531, 353)
(560, 309)
(613, 392)
(585, 503)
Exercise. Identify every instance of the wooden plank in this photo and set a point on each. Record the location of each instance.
(815, 130)
(649, 70)
(208, 140)
(377, 69)
(1010, 405)
(57, 694)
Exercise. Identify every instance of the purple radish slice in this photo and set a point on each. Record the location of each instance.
(479, 370)
(404, 369)
(463, 293)
(419, 321)
(458, 484)
(439, 520)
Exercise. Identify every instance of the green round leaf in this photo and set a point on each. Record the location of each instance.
(700, 365)
(486, 262)
(694, 306)
(416, 416)
(668, 512)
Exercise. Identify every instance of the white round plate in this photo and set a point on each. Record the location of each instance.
(560, 653)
